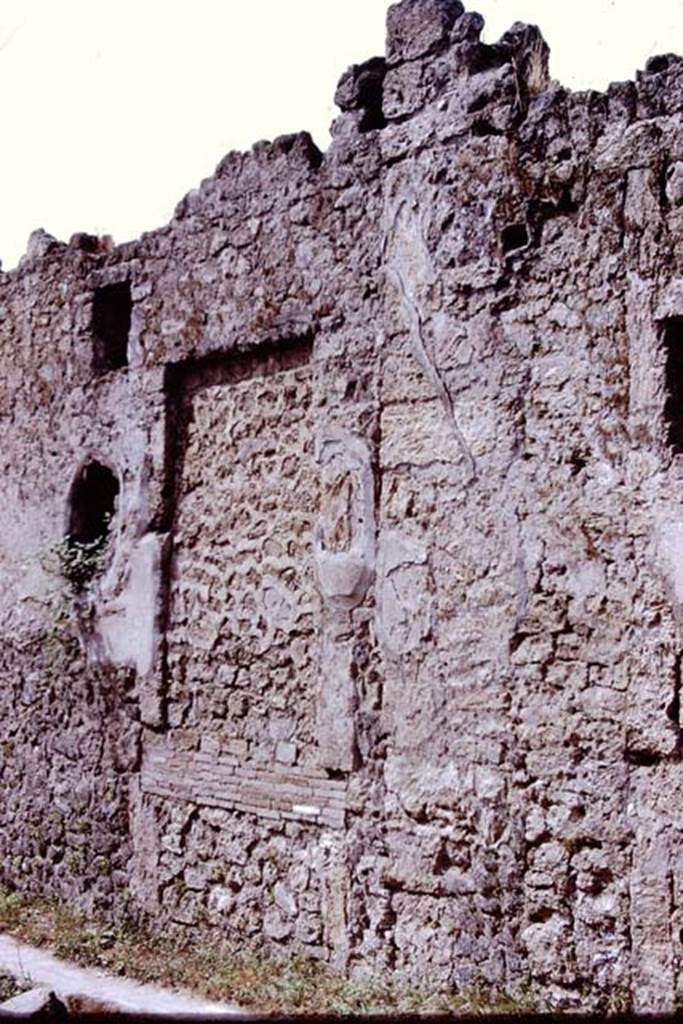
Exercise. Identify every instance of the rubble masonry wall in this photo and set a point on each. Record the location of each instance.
(383, 661)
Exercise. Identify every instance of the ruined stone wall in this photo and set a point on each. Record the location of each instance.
(388, 621)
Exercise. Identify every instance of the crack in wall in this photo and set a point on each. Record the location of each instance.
(416, 329)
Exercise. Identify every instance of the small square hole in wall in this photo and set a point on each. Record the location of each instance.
(673, 380)
(515, 236)
(111, 315)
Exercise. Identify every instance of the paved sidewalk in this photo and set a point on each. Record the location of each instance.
(38, 968)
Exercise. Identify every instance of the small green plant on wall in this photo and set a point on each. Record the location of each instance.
(71, 564)
(92, 504)
(81, 561)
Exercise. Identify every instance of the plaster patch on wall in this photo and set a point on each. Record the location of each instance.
(404, 618)
(128, 624)
(669, 550)
(410, 269)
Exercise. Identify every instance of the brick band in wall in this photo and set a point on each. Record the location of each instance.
(290, 794)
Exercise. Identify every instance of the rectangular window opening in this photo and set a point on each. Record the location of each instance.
(111, 318)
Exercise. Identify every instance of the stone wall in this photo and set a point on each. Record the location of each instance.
(381, 659)
(70, 747)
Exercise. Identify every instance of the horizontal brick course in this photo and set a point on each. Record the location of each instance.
(273, 792)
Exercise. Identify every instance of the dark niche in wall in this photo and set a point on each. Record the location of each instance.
(371, 94)
(111, 317)
(514, 236)
(92, 504)
(672, 340)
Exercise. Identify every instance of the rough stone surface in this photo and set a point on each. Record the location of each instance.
(382, 662)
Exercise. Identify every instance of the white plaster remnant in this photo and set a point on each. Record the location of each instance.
(669, 546)
(128, 623)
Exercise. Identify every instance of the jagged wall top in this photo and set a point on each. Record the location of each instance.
(432, 48)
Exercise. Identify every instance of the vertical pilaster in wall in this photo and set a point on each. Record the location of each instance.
(646, 382)
(404, 603)
(336, 897)
(337, 700)
(642, 217)
(653, 888)
(410, 270)
(652, 666)
(650, 463)
(345, 559)
(664, 347)
(146, 842)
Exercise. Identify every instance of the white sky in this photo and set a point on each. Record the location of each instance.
(114, 109)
